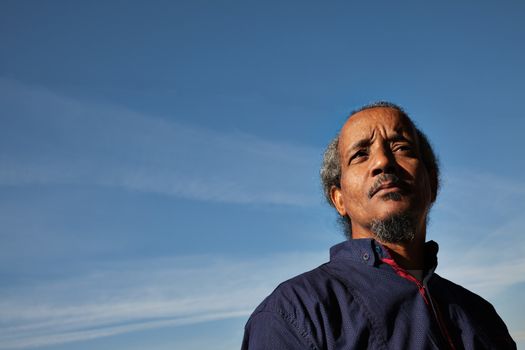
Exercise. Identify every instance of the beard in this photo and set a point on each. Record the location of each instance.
(394, 229)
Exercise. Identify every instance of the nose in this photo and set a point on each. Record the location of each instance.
(383, 161)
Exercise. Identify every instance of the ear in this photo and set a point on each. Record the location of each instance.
(337, 199)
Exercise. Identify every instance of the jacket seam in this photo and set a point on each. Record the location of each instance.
(358, 299)
(292, 321)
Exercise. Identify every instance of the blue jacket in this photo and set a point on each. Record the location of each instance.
(361, 299)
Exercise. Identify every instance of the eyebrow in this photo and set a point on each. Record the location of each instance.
(398, 137)
(366, 142)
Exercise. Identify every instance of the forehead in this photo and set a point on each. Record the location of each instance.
(365, 124)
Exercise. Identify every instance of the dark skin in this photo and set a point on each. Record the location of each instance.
(372, 143)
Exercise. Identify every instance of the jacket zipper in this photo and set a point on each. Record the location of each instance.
(424, 292)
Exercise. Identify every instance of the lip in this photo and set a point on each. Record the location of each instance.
(387, 187)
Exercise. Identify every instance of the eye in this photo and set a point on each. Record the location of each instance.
(403, 148)
(357, 156)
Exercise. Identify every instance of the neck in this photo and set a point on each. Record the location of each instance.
(409, 255)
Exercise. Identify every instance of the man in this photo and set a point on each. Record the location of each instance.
(379, 289)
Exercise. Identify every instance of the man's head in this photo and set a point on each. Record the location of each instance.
(381, 174)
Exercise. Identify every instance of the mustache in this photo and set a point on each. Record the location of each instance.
(381, 179)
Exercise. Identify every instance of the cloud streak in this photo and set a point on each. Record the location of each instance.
(128, 297)
(490, 264)
(482, 212)
(53, 139)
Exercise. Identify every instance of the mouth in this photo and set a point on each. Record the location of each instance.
(387, 187)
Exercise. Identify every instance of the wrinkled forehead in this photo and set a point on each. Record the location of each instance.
(369, 122)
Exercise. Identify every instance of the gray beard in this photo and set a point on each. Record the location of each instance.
(395, 229)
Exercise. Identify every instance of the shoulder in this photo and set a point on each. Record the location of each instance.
(303, 306)
(283, 318)
(457, 294)
(296, 295)
(474, 316)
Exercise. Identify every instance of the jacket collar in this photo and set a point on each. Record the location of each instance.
(370, 252)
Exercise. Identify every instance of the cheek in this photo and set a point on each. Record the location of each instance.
(417, 173)
(354, 192)
(348, 183)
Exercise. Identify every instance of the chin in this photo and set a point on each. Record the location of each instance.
(392, 208)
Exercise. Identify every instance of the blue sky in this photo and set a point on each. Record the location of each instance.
(159, 160)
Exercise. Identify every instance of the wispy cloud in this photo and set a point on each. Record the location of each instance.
(484, 213)
(52, 139)
(478, 222)
(490, 264)
(127, 297)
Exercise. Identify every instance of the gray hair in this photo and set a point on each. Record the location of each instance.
(331, 167)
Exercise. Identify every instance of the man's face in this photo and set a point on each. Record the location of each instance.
(382, 175)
